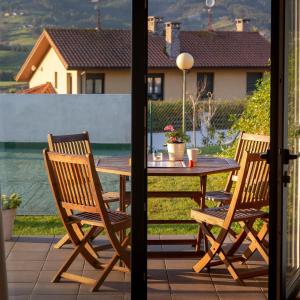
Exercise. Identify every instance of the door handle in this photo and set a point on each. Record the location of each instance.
(287, 156)
(266, 156)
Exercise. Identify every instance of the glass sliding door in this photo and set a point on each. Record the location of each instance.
(68, 75)
(292, 142)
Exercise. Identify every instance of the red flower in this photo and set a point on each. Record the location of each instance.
(169, 128)
(174, 139)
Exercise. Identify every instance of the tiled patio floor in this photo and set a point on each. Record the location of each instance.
(32, 261)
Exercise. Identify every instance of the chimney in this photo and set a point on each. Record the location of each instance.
(156, 25)
(242, 25)
(172, 39)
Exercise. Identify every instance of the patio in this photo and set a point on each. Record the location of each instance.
(32, 262)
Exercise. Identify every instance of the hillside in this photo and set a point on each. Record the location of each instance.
(21, 21)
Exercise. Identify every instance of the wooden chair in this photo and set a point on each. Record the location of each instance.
(76, 187)
(78, 144)
(247, 142)
(250, 195)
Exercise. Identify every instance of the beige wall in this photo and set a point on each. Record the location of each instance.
(45, 73)
(228, 84)
(115, 81)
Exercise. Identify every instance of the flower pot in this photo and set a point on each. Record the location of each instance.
(8, 216)
(176, 151)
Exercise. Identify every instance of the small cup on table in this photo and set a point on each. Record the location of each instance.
(157, 156)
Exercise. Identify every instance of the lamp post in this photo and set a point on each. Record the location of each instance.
(184, 62)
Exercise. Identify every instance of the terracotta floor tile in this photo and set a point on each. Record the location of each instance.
(110, 296)
(22, 276)
(52, 297)
(20, 289)
(195, 296)
(61, 254)
(60, 288)
(27, 255)
(244, 296)
(55, 265)
(21, 297)
(24, 265)
(159, 296)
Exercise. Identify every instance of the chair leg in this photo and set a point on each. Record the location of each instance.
(105, 273)
(231, 269)
(78, 249)
(214, 249)
(63, 241)
(256, 243)
(252, 247)
(117, 256)
(238, 241)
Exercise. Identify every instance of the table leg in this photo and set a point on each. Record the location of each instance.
(203, 180)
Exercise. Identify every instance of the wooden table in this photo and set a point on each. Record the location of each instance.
(205, 166)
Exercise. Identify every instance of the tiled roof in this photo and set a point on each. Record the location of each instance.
(46, 88)
(90, 48)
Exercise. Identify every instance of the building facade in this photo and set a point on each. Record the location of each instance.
(91, 61)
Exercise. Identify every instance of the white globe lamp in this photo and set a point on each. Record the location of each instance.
(184, 62)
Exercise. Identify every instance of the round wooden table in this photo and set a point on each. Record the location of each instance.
(205, 166)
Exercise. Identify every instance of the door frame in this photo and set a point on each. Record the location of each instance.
(277, 264)
(139, 147)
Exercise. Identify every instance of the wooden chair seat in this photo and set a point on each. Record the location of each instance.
(217, 215)
(218, 196)
(94, 219)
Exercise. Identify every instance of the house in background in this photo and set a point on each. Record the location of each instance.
(93, 61)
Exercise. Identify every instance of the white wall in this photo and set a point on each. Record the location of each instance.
(29, 118)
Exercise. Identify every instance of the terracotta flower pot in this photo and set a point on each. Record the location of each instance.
(8, 216)
(176, 151)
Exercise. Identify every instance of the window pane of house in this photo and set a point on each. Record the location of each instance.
(89, 86)
(252, 80)
(205, 84)
(150, 89)
(157, 85)
(98, 86)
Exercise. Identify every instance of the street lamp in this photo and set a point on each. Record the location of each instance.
(184, 62)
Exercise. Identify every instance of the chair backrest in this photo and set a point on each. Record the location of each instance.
(252, 190)
(252, 143)
(70, 144)
(74, 183)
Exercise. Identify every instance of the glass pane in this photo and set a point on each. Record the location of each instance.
(150, 86)
(89, 86)
(293, 193)
(52, 32)
(157, 88)
(98, 86)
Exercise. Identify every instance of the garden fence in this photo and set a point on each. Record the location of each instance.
(213, 120)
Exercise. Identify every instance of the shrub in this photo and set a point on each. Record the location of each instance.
(12, 201)
(227, 112)
(256, 117)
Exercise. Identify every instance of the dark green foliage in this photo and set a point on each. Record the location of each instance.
(226, 112)
(256, 117)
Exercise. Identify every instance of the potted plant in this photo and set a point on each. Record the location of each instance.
(9, 210)
(176, 141)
